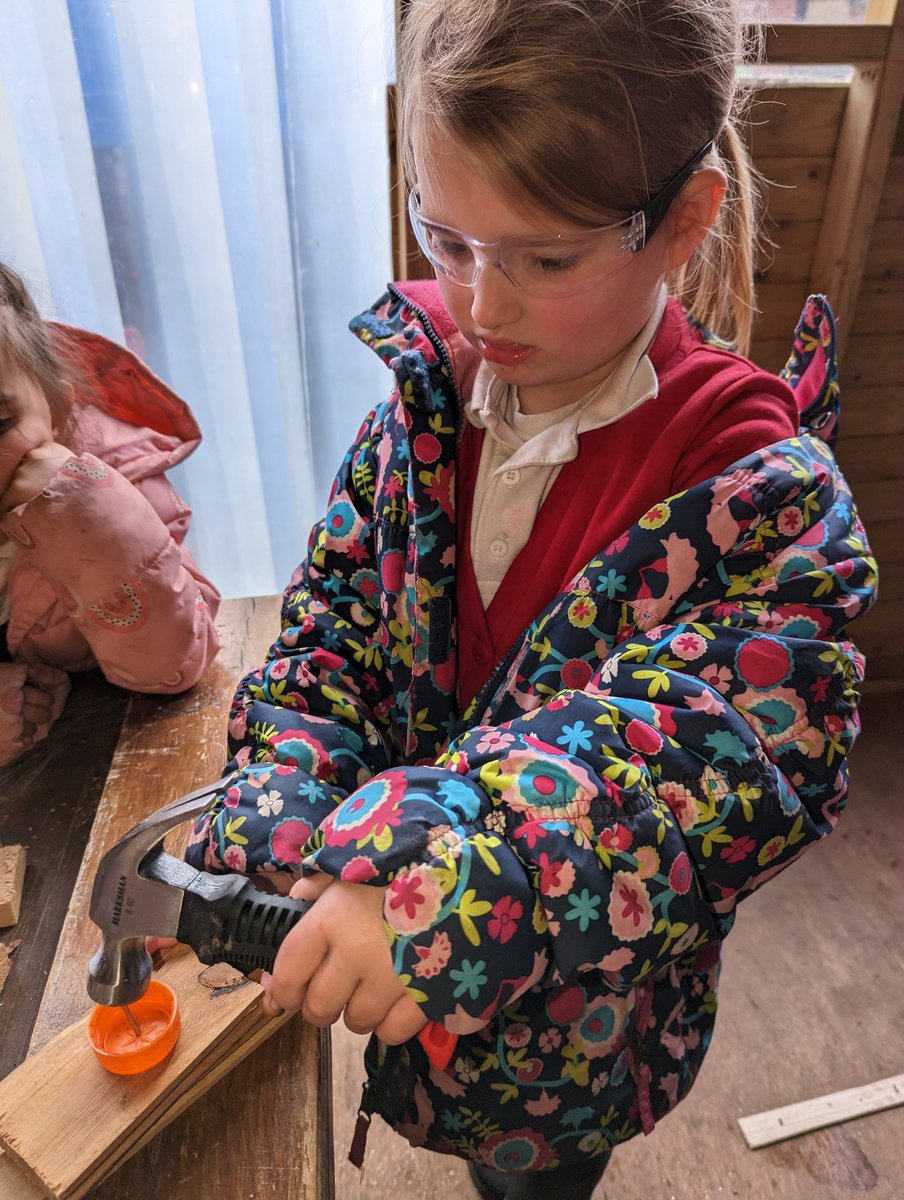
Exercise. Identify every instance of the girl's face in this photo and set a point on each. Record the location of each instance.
(554, 349)
(25, 420)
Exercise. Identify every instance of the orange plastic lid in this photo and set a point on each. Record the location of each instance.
(114, 1042)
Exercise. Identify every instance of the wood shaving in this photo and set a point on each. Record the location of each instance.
(220, 975)
(6, 953)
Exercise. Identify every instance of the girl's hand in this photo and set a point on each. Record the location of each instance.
(153, 944)
(34, 471)
(25, 424)
(32, 696)
(337, 962)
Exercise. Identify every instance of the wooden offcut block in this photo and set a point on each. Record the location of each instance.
(66, 1123)
(12, 876)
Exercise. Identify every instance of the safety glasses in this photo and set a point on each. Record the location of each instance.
(551, 265)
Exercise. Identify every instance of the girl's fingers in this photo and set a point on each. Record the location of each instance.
(153, 944)
(330, 990)
(37, 706)
(268, 1006)
(311, 887)
(371, 1003)
(403, 1021)
(300, 956)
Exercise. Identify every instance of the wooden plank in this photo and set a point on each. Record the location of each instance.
(881, 648)
(885, 257)
(788, 258)
(880, 305)
(877, 502)
(867, 360)
(872, 359)
(885, 536)
(407, 260)
(886, 671)
(780, 306)
(168, 746)
(880, 309)
(783, 121)
(806, 43)
(66, 771)
(892, 203)
(795, 187)
(43, 1103)
(880, 629)
(864, 148)
(876, 410)
(792, 1120)
(12, 877)
(872, 457)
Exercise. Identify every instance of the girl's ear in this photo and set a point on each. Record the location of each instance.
(692, 214)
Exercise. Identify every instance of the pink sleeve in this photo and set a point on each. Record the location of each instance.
(113, 552)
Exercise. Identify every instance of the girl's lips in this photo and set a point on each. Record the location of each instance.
(505, 353)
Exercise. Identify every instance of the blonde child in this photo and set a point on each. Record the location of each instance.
(93, 571)
(565, 673)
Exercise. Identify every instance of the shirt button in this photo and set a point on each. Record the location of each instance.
(481, 654)
(498, 547)
(511, 477)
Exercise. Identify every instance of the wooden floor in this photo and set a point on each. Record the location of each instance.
(812, 1002)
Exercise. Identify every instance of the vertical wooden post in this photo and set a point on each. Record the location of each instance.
(861, 160)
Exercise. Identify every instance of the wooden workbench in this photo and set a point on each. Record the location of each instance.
(265, 1131)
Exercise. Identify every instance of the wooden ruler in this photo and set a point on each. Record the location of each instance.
(794, 1119)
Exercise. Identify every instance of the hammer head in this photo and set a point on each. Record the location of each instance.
(138, 893)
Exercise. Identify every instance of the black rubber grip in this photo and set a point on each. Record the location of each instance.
(225, 918)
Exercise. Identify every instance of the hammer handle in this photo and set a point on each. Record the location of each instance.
(225, 918)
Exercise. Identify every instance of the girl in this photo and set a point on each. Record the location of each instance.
(565, 674)
(92, 567)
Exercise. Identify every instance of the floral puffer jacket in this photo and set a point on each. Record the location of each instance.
(562, 865)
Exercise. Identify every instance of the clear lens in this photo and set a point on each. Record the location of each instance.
(555, 266)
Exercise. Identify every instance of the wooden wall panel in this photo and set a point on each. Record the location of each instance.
(798, 170)
(790, 121)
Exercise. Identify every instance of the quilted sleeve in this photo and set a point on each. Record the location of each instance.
(689, 743)
(112, 550)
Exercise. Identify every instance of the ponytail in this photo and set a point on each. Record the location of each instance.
(716, 286)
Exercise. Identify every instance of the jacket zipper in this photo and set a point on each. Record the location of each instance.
(502, 667)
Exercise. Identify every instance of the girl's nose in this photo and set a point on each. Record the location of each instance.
(494, 298)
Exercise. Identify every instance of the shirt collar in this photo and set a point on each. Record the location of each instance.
(632, 381)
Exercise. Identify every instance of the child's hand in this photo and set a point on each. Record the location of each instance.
(32, 696)
(337, 961)
(32, 474)
(29, 452)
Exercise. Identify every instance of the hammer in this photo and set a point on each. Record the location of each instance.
(141, 891)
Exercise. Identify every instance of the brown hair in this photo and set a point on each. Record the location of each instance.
(588, 108)
(32, 346)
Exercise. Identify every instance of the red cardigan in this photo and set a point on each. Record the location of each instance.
(713, 408)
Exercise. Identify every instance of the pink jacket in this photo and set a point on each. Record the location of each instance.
(100, 576)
